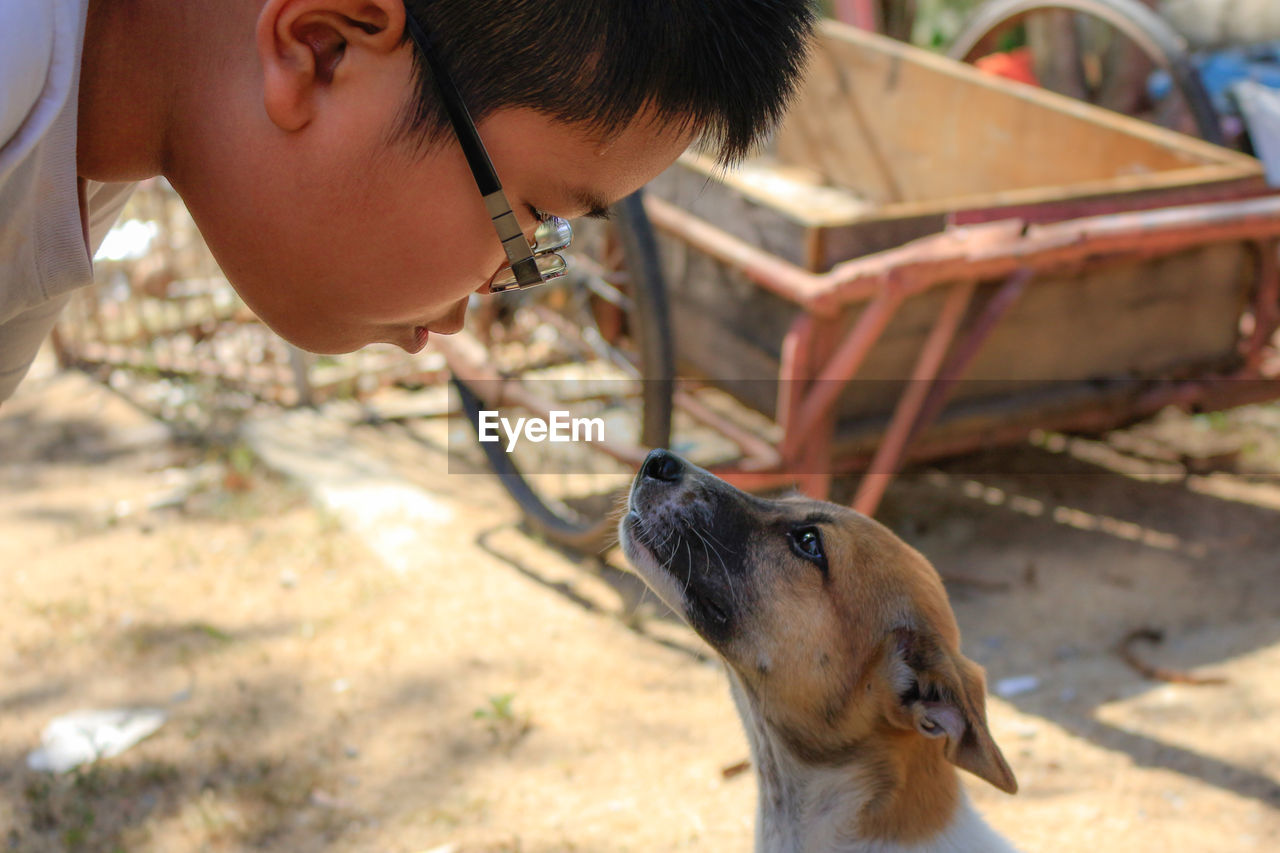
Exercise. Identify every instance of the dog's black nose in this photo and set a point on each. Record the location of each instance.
(662, 465)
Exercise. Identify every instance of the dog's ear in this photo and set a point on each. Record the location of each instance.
(942, 694)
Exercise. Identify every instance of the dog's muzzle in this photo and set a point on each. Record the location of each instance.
(682, 531)
(651, 491)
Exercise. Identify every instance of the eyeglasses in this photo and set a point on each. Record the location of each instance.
(527, 265)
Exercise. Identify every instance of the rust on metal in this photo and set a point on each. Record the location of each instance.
(889, 454)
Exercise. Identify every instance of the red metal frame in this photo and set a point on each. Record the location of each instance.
(958, 260)
(905, 416)
(819, 361)
(1014, 245)
(864, 14)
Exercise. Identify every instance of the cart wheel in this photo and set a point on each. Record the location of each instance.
(597, 343)
(1077, 54)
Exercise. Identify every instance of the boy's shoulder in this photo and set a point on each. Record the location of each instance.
(42, 250)
(39, 50)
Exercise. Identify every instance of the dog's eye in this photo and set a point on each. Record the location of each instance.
(807, 543)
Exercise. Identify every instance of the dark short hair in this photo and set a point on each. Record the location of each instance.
(725, 69)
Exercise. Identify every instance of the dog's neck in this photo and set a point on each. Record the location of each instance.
(874, 802)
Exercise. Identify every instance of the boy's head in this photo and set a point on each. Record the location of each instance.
(312, 149)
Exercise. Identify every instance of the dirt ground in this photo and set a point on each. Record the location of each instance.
(502, 697)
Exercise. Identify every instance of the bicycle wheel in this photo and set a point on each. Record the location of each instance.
(598, 344)
(1100, 69)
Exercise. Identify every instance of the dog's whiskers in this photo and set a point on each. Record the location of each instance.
(672, 533)
(711, 550)
(712, 537)
(688, 567)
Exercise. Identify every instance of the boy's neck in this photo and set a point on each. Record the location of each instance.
(136, 56)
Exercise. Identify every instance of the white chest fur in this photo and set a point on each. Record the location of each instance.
(803, 809)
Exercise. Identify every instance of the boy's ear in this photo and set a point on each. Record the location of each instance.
(945, 697)
(302, 45)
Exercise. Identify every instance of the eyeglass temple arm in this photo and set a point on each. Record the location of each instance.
(495, 200)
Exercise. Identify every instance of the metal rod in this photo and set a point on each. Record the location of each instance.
(989, 251)
(760, 455)
(754, 481)
(968, 348)
(862, 14)
(769, 271)
(1266, 304)
(842, 367)
(888, 456)
(794, 373)
(1221, 392)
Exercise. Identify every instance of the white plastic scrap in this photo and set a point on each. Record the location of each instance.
(80, 737)
(1016, 685)
(1261, 108)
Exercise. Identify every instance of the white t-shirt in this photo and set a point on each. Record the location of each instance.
(44, 250)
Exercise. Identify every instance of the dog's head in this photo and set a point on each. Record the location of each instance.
(837, 630)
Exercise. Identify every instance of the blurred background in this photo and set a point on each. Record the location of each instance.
(310, 612)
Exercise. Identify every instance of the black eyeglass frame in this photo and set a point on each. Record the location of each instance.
(526, 270)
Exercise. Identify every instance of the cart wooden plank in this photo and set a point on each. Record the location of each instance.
(887, 144)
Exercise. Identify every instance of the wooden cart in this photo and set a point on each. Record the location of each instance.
(929, 261)
(922, 233)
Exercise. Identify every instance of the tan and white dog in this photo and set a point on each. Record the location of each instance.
(843, 656)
